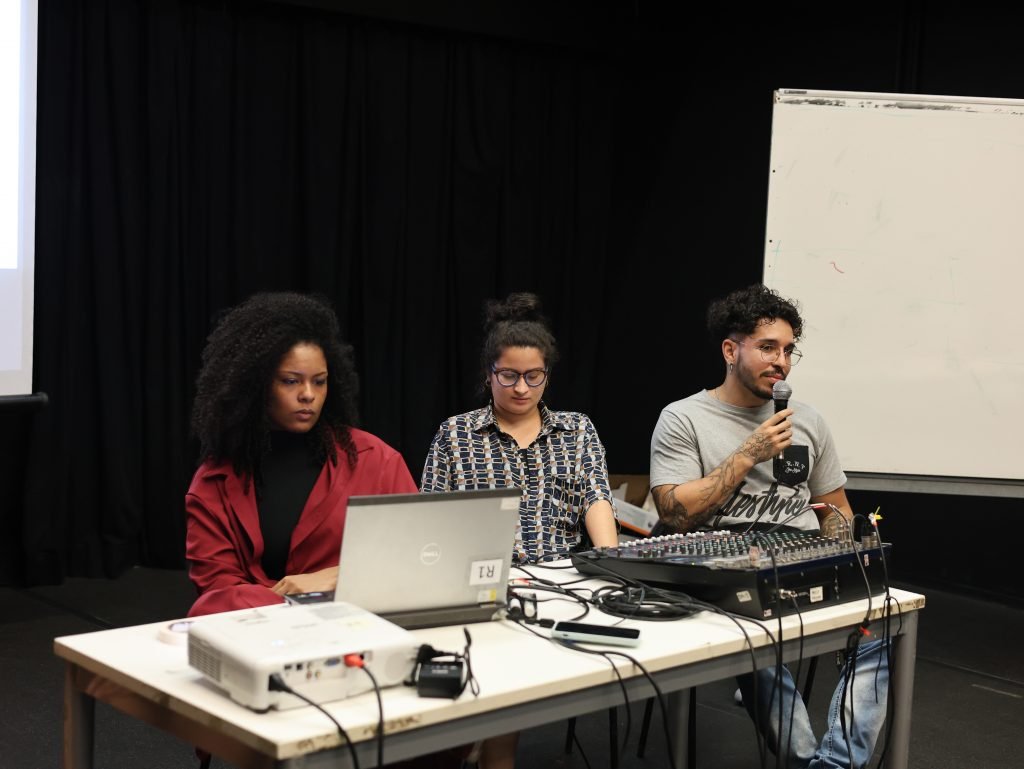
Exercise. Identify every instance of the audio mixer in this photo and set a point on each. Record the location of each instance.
(757, 575)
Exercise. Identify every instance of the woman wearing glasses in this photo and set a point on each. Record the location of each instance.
(555, 457)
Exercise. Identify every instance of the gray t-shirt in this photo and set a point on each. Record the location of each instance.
(695, 435)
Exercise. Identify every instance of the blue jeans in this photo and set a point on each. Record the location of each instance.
(865, 706)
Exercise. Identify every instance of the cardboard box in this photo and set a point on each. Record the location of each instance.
(636, 512)
(639, 485)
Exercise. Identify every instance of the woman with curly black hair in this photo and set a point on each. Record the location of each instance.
(275, 413)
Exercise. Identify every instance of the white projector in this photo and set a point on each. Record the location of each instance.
(306, 645)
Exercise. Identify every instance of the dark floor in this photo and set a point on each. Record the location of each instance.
(968, 692)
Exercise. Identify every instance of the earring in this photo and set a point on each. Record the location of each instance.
(730, 368)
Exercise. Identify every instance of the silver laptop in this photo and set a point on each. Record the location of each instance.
(422, 560)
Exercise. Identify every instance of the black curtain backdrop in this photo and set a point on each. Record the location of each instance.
(192, 152)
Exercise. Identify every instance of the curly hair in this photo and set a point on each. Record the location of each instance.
(743, 310)
(242, 353)
(516, 322)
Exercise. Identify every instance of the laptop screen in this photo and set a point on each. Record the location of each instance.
(428, 559)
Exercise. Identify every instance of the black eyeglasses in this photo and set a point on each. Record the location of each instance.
(508, 377)
(770, 352)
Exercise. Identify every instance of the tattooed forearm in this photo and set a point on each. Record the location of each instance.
(712, 491)
(724, 480)
(671, 510)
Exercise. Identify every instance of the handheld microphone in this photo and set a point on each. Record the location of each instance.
(781, 393)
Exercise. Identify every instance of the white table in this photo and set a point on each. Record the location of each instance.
(525, 682)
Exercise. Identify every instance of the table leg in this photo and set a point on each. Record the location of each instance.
(678, 703)
(79, 723)
(902, 679)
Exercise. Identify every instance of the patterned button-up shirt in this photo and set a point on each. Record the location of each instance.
(562, 473)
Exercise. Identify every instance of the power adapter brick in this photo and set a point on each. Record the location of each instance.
(440, 679)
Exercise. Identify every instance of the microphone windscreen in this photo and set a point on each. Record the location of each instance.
(781, 391)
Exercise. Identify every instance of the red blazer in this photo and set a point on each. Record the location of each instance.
(223, 542)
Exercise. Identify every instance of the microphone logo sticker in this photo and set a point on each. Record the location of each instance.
(430, 554)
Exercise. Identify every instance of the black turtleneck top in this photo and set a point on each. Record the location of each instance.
(290, 470)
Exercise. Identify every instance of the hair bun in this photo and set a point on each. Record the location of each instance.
(521, 306)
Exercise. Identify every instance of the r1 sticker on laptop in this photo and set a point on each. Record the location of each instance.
(485, 572)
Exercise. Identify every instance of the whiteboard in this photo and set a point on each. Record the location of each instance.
(897, 223)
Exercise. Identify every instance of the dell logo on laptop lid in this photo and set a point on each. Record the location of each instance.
(430, 554)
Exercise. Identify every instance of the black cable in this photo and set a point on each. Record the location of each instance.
(689, 606)
(654, 685)
(534, 577)
(853, 643)
(380, 716)
(890, 699)
(277, 684)
(650, 679)
(558, 591)
(579, 747)
(626, 610)
(673, 597)
(763, 540)
(786, 745)
(867, 583)
(779, 665)
(474, 685)
(695, 606)
(738, 619)
(629, 709)
(618, 675)
(846, 685)
(887, 637)
(796, 678)
(633, 602)
(618, 600)
(541, 583)
(774, 643)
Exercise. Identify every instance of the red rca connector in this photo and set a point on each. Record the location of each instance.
(353, 660)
